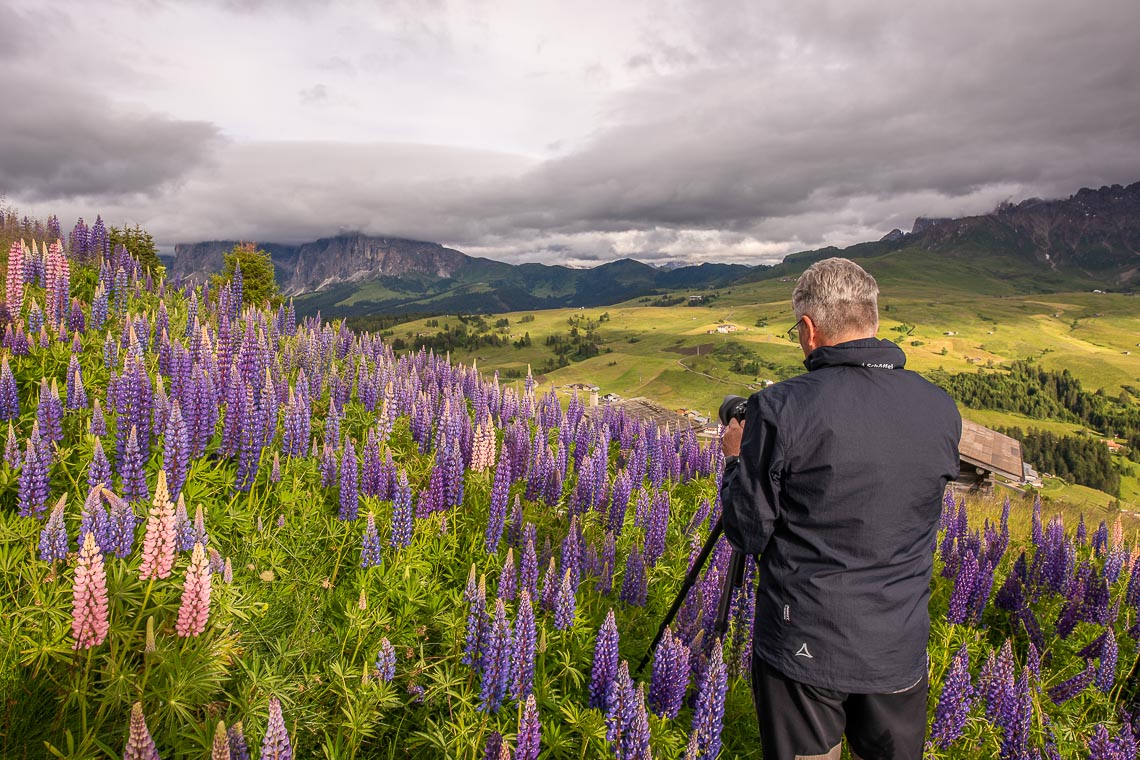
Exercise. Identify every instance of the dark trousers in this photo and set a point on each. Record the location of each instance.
(801, 722)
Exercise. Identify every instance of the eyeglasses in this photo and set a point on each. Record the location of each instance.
(794, 330)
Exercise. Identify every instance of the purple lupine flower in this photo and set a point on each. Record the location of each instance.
(1066, 690)
(349, 478)
(515, 524)
(98, 426)
(275, 745)
(634, 743)
(508, 578)
(131, 471)
(955, 703)
(495, 747)
(176, 454)
(9, 394)
(633, 586)
(121, 524)
(370, 550)
(708, 713)
(12, 449)
(33, 482)
(496, 661)
(53, 537)
(497, 514)
(999, 684)
(571, 558)
(476, 626)
(524, 645)
(183, 528)
(670, 678)
(1016, 720)
(76, 393)
(528, 570)
(530, 731)
(618, 698)
(605, 666)
(1106, 670)
(386, 661)
(403, 517)
(49, 413)
(550, 586)
(565, 604)
(656, 528)
(93, 519)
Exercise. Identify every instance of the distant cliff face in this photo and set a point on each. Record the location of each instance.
(1093, 231)
(331, 261)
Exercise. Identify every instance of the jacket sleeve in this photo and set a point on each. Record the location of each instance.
(750, 493)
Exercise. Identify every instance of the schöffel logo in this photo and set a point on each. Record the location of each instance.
(879, 366)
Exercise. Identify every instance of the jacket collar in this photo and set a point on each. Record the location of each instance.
(864, 352)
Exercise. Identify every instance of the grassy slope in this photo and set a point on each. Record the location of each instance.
(1087, 333)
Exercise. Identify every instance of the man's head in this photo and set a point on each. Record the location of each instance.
(835, 301)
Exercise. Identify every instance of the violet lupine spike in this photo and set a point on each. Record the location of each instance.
(528, 570)
(955, 703)
(403, 514)
(386, 661)
(1066, 690)
(275, 745)
(176, 454)
(1017, 719)
(183, 528)
(12, 449)
(33, 488)
(349, 479)
(634, 589)
(159, 542)
(494, 746)
(708, 713)
(670, 679)
(550, 585)
(635, 727)
(370, 550)
(9, 393)
(132, 474)
(1108, 655)
(605, 666)
(508, 578)
(195, 608)
(98, 426)
(523, 645)
(53, 537)
(496, 661)
(476, 626)
(530, 731)
(89, 613)
(497, 513)
(93, 519)
(122, 522)
(99, 471)
(140, 745)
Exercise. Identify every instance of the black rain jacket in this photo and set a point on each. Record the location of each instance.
(838, 489)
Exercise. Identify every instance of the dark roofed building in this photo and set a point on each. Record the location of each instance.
(984, 453)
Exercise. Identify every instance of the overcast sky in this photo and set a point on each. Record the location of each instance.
(562, 131)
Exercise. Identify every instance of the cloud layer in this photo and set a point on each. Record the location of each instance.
(733, 131)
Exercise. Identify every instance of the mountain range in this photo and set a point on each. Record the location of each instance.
(1092, 237)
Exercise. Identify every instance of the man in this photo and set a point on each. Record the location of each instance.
(836, 481)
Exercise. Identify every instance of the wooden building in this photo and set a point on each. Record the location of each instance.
(984, 453)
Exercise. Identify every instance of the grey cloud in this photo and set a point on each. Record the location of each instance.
(314, 94)
(762, 129)
(61, 143)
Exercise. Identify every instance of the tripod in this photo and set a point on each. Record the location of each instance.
(733, 580)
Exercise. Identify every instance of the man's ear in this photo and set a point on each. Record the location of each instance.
(811, 333)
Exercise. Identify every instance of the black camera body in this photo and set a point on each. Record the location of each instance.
(732, 408)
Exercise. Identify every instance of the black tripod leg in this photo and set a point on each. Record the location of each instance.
(732, 581)
(690, 579)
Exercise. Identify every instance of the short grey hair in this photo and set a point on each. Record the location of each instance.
(839, 296)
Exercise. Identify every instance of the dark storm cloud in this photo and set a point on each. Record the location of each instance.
(60, 143)
(753, 129)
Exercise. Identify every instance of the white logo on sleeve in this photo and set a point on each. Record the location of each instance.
(803, 652)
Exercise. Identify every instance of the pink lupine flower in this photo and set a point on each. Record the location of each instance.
(159, 544)
(89, 621)
(140, 746)
(195, 607)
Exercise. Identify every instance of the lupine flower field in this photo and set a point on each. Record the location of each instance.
(225, 533)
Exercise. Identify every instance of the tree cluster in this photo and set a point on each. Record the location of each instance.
(1078, 459)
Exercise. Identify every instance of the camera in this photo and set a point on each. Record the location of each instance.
(732, 408)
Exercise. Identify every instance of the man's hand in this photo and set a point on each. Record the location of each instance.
(730, 438)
